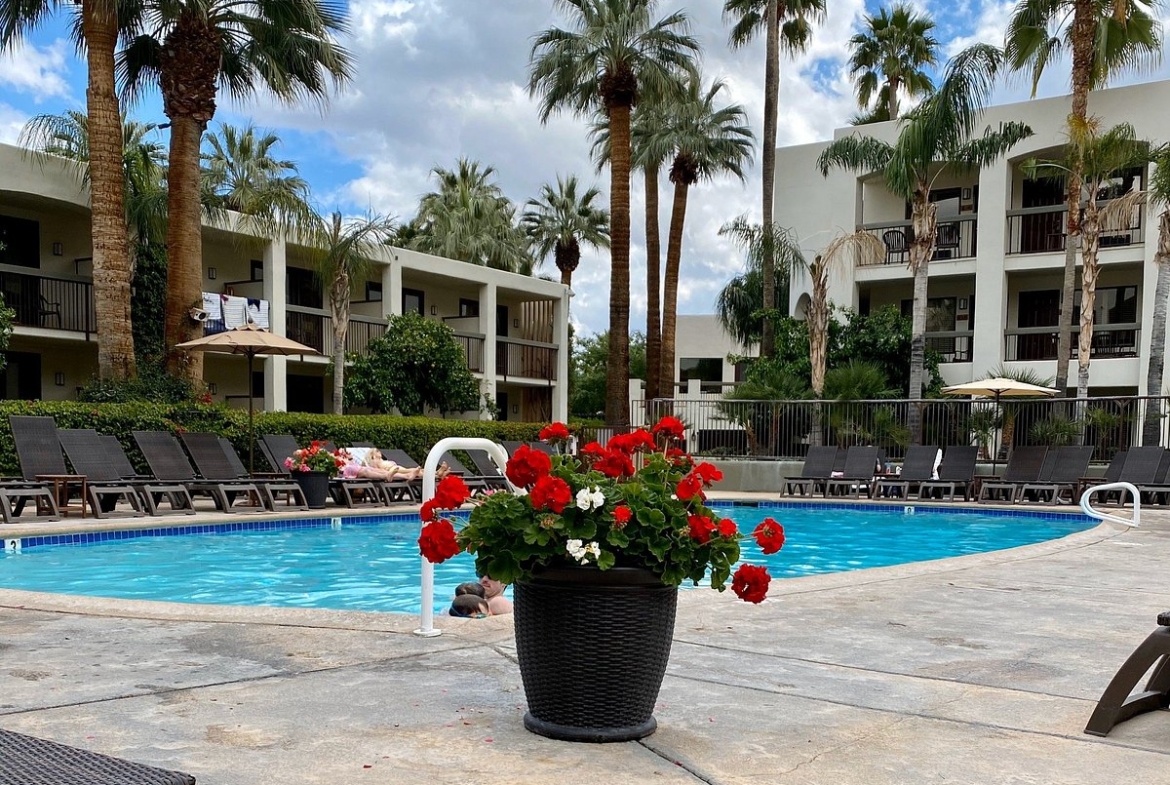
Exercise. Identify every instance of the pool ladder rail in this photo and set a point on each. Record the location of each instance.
(1088, 508)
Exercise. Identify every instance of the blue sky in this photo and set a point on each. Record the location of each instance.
(441, 79)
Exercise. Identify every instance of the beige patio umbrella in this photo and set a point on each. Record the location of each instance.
(249, 341)
(999, 387)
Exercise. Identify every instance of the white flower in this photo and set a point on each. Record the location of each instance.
(598, 498)
(581, 552)
(593, 549)
(584, 502)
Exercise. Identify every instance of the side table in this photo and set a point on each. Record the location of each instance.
(61, 484)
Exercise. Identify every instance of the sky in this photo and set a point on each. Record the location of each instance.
(437, 80)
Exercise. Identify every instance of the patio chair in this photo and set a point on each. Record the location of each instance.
(213, 457)
(150, 490)
(918, 467)
(32, 761)
(1025, 465)
(1069, 464)
(818, 467)
(955, 473)
(896, 245)
(1140, 469)
(392, 491)
(169, 463)
(1155, 493)
(492, 475)
(471, 479)
(860, 466)
(1116, 703)
(87, 455)
(350, 493)
(1112, 473)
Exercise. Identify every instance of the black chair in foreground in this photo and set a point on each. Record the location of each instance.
(169, 463)
(1069, 465)
(818, 467)
(1117, 704)
(213, 458)
(1025, 465)
(956, 473)
(916, 468)
(857, 477)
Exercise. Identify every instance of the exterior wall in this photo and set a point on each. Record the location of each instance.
(701, 336)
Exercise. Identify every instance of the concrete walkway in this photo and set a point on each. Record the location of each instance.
(978, 670)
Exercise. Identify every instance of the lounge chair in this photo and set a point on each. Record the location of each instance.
(918, 467)
(392, 491)
(857, 477)
(471, 479)
(1154, 494)
(27, 759)
(492, 475)
(1140, 469)
(347, 492)
(151, 490)
(955, 473)
(213, 458)
(1117, 704)
(818, 467)
(1025, 466)
(1069, 465)
(87, 455)
(169, 463)
(1112, 473)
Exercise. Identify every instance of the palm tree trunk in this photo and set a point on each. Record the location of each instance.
(184, 246)
(111, 244)
(892, 97)
(771, 99)
(617, 372)
(1152, 428)
(818, 327)
(1090, 238)
(678, 217)
(924, 226)
(654, 381)
(339, 310)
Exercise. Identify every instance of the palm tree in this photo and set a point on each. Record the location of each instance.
(191, 49)
(892, 54)
(344, 251)
(856, 248)
(740, 302)
(1159, 193)
(560, 220)
(1104, 37)
(614, 56)
(934, 137)
(96, 24)
(468, 218)
(787, 26)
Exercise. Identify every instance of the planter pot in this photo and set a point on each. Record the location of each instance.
(592, 648)
(315, 486)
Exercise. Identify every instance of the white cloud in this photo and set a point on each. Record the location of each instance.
(12, 120)
(38, 71)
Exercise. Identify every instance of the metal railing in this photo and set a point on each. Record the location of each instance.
(786, 429)
(315, 328)
(953, 345)
(1039, 343)
(54, 303)
(472, 345)
(955, 240)
(1041, 230)
(527, 359)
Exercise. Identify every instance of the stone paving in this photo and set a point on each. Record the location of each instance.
(980, 670)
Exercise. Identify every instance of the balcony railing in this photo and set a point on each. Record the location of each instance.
(527, 359)
(1039, 343)
(955, 240)
(953, 345)
(1041, 230)
(55, 303)
(315, 329)
(472, 345)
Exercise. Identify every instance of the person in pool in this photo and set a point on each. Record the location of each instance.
(493, 591)
(469, 606)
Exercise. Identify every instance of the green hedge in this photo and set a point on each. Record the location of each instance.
(415, 435)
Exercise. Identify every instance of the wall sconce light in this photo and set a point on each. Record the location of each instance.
(962, 303)
(966, 194)
(59, 379)
(212, 273)
(212, 388)
(58, 249)
(515, 408)
(515, 322)
(434, 310)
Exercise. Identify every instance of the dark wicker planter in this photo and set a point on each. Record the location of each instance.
(316, 488)
(593, 647)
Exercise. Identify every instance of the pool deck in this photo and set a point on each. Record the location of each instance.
(981, 669)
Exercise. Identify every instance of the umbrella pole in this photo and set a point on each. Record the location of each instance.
(251, 427)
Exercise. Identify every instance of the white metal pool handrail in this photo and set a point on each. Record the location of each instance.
(427, 614)
(1093, 512)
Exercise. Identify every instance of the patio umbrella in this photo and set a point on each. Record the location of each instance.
(249, 341)
(1000, 387)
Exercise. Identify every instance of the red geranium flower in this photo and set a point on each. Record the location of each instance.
(551, 493)
(770, 536)
(678, 457)
(750, 583)
(708, 474)
(629, 443)
(451, 492)
(701, 528)
(427, 513)
(615, 464)
(621, 516)
(437, 541)
(527, 466)
(671, 427)
(727, 528)
(556, 432)
(592, 452)
(689, 487)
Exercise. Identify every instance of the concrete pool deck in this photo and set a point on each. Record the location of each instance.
(981, 669)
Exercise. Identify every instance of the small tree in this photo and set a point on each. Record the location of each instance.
(417, 365)
(7, 319)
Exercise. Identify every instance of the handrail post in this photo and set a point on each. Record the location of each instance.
(1092, 512)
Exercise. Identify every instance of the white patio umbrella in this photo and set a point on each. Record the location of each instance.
(999, 387)
(249, 341)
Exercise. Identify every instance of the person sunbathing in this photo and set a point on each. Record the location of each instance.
(375, 467)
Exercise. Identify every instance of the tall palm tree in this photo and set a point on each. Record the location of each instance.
(191, 49)
(1159, 194)
(344, 251)
(560, 220)
(936, 136)
(1104, 36)
(787, 27)
(96, 24)
(468, 218)
(854, 248)
(614, 55)
(893, 53)
(706, 140)
(741, 301)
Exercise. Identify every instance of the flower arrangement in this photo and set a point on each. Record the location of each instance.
(315, 458)
(601, 508)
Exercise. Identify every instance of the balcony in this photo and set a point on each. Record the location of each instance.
(526, 359)
(1039, 343)
(954, 346)
(956, 240)
(315, 328)
(54, 303)
(472, 345)
(1041, 230)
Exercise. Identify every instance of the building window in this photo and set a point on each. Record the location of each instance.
(303, 289)
(705, 369)
(468, 308)
(257, 270)
(20, 242)
(414, 301)
(373, 292)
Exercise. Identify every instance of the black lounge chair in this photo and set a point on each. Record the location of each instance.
(392, 491)
(1140, 469)
(1025, 466)
(916, 468)
(956, 473)
(1112, 473)
(151, 490)
(216, 460)
(28, 760)
(1155, 494)
(169, 463)
(818, 467)
(1068, 466)
(471, 479)
(1117, 704)
(857, 477)
(492, 475)
(87, 455)
(347, 492)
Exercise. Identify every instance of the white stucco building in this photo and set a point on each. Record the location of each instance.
(702, 349)
(513, 328)
(995, 280)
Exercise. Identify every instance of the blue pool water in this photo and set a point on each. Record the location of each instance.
(373, 564)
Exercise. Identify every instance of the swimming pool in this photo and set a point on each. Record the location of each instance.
(371, 563)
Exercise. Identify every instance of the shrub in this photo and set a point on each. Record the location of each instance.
(152, 385)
